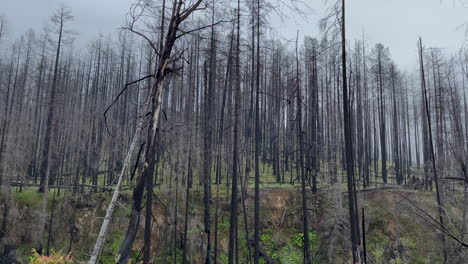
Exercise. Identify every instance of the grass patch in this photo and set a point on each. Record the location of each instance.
(30, 197)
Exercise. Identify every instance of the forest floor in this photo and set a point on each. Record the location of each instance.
(398, 224)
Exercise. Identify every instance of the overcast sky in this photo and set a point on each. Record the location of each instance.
(395, 23)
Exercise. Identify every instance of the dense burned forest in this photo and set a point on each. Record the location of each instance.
(198, 134)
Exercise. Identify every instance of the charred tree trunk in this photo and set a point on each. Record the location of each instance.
(353, 213)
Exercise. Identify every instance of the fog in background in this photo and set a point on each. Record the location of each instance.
(395, 23)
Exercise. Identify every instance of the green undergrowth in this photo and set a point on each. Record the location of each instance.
(282, 243)
(395, 234)
(30, 197)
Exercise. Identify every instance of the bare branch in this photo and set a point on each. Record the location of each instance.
(117, 98)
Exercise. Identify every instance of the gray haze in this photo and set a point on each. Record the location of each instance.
(395, 23)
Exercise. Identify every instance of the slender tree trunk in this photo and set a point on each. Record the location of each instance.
(45, 166)
(235, 161)
(353, 214)
(257, 147)
(440, 204)
(300, 162)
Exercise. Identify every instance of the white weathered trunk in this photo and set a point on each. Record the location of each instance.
(110, 210)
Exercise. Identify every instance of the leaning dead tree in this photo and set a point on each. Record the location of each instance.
(110, 210)
(180, 12)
